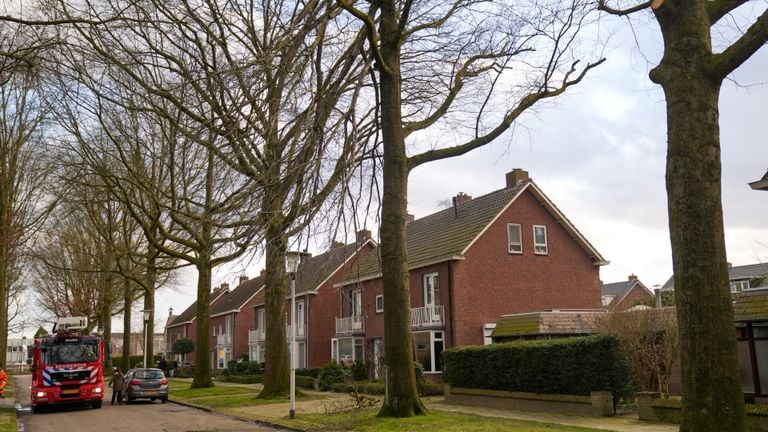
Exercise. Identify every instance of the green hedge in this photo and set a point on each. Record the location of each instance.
(573, 366)
(243, 379)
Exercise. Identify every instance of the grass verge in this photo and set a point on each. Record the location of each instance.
(366, 420)
(8, 420)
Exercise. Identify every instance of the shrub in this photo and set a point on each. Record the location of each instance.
(247, 368)
(244, 379)
(359, 371)
(430, 389)
(310, 372)
(419, 371)
(231, 365)
(330, 374)
(305, 382)
(562, 366)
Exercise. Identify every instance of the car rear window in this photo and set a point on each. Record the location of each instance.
(149, 375)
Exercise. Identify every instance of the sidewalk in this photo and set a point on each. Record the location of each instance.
(277, 413)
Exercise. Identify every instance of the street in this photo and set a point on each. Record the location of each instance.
(139, 416)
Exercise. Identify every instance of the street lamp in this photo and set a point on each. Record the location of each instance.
(147, 315)
(292, 259)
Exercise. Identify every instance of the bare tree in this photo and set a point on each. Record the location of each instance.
(649, 339)
(271, 89)
(467, 70)
(691, 74)
(24, 165)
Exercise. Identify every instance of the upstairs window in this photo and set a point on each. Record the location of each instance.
(540, 240)
(379, 303)
(515, 239)
(739, 285)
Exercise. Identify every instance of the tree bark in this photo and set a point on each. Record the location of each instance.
(202, 376)
(712, 397)
(127, 302)
(276, 374)
(401, 396)
(149, 301)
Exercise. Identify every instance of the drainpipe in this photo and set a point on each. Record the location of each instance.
(451, 303)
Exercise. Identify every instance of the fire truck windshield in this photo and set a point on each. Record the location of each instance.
(70, 353)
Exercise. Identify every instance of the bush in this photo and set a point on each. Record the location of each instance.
(247, 368)
(244, 379)
(330, 374)
(359, 371)
(310, 372)
(305, 382)
(231, 365)
(418, 369)
(430, 389)
(562, 366)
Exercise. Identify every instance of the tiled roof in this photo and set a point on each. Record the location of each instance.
(235, 299)
(734, 273)
(547, 323)
(445, 235)
(618, 289)
(184, 317)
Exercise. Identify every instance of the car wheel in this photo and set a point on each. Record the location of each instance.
(152, 399)
(128, 401)
(164, 400)
(35, 409)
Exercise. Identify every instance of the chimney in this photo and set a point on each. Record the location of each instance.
(409, 218)
(170, 311)
(263, 272)
(224, 286)
(362, 235)
(336, 244)
(243, 279)
(515, 176)
(459, 199)
(632, 277)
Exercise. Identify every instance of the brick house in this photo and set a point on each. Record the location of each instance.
(619, 296)
(232, 318)
(510, 251)
(183, 326)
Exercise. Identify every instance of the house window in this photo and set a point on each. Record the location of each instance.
(261, 323)
(346, 350)
(228, 321)
(515, 238)
(427, 347)
(224, 356)
(540, 240)
(607, 299)
(739, 285)
(431, 286)
(379, 303)
(356, 302)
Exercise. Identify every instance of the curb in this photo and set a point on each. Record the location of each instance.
(240, 418)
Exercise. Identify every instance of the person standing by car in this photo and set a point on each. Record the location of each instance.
(118, 384)
(3, 381)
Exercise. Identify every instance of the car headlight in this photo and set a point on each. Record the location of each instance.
(40, 394)
(97, 390)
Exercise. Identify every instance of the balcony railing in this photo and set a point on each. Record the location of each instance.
(350, 325)
(256, 336)
(223, 339)
(427, 316)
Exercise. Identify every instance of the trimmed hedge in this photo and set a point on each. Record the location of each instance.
(243, 379)
(571, 366)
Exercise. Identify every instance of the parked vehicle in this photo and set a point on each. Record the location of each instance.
(146, 383)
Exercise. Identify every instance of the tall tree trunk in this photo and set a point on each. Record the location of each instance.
(202, 375)
(276, 374)
(401, 396)
(149, 302)
(712, 397)
(128, 303)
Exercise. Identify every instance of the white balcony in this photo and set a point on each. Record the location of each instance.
(350, 325)
(301, 332)
(223, 339)
(427, 316)
(256, 336)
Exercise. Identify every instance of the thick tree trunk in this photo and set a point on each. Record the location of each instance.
(149, 302)
(202, 376)
(712, 397)
(401, 397)
(276, 374)
(128, 303)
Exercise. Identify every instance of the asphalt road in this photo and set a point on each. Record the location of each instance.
(137, 417)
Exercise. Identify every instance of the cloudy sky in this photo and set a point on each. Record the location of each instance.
(599, 154)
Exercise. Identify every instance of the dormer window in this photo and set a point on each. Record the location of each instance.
(540, 240)
(515, 238)
(739, 285)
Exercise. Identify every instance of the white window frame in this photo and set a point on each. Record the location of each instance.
(356, 342)
(300, 323)
(434, 337)
(228, 324)
(431, 289)
(356, 302)
(540, 248)
(379, 303)
(739, 285)
(515, 247)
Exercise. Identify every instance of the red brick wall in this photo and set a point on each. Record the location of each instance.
(491, 281)
(633, 296)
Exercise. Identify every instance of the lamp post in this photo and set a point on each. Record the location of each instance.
(147, 314)
(292, 259)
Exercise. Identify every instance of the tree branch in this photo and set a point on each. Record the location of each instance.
(373, 35)
(717, 9)
(603, 6)
(736, 54)
(526, 102)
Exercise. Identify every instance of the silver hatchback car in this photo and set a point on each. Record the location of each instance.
(146, 383)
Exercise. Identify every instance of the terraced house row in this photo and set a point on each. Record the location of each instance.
(511, 251)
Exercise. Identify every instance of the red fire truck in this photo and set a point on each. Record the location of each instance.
(67, 366)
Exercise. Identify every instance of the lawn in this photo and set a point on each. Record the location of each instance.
(8, 420)
(366, 420)
(219, 396)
